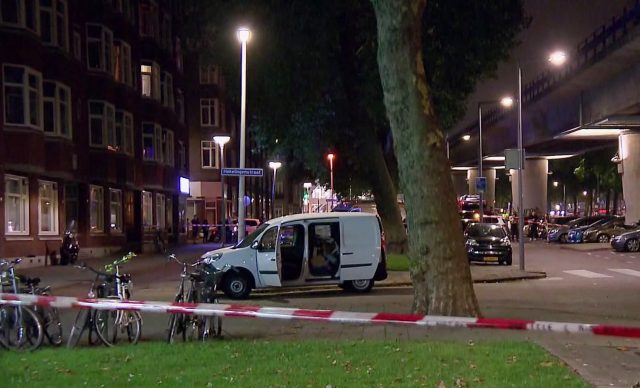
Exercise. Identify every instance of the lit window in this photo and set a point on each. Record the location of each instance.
(115, 210)
(210, 154)
(209, 112)
(22, 96)
(122, 70)
(16, 205)
(96, 209)
(99, 48)
(48, 208)
(147, 210)
(150, 73)
(56, 109)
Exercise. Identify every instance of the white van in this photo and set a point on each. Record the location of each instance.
(345, 249)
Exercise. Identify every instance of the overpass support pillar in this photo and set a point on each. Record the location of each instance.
(534, 185)
(459, 182)
(490, 193)
(630, 154)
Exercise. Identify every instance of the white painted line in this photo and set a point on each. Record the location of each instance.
(626, 271)
(586, 274)
(552, 278)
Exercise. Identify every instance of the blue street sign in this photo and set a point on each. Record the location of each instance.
(481, 184)
(242, 172)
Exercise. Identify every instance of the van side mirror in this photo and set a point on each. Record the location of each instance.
(254, 245)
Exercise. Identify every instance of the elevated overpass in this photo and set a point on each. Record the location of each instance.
(592, 102)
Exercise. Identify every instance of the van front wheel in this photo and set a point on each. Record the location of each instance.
(236, 285)
(362, 285)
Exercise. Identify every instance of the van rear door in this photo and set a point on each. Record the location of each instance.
(361, 247)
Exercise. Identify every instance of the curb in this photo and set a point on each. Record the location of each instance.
(570, 247)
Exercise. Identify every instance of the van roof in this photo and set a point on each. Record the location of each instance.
(315, 216)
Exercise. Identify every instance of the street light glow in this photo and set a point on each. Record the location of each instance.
(243, 34)
(221, 140)
(555, 183)
(558, 58)
(275, 165)
(507, 102)
(331, 156)
(466, 137)
(584, 193)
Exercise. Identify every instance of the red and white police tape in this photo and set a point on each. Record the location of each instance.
(235, 310)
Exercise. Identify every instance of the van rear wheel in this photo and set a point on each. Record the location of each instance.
(362, 285)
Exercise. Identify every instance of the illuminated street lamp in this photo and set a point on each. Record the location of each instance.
(221, 141)
(275, 166)
(244, 35)
(557, 58)
(331, 157)
(466, 137)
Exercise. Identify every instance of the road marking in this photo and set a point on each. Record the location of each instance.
(625, 271)
(587, 274)
(553, 278)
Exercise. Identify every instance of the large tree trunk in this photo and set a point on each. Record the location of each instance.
(368, 137)
(439, 266)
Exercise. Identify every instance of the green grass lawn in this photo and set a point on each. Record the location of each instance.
(292, 364)
(397, 262)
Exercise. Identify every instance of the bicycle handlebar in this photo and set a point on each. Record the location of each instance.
(12, 263)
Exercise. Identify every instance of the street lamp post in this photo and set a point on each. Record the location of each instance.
(557, 58)
(331, 157)
(221, 141)
(244, 35)
(275, 166)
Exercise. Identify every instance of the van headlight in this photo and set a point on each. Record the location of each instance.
(211, 258)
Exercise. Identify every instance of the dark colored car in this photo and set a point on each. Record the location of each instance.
(577, 235)
(560, 233)
(604, 232)
(488, 243)
(629, 241)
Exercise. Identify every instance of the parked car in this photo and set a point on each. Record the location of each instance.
(310, 249)
(250, 225)
(560, 233)
(576, 235)
(602, 233)
(629, 241)
(468, 216)
(488, 243)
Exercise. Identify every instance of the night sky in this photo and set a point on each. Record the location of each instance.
(556, 24)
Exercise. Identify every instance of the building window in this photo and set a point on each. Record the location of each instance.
(122, 70)
(77, 45)
(209, 112)
(71, 202)
(20, 13)
(152, 142)
(160, 211)
(54, 23)
(123, 140)
(150, 73)
(147, 210)
(166, 90)
(48, 208)
(168, 148)
(182, 156)
(16, 205)
(208, 74)
(96, 209)
(209, 154)
(125, 8)
(56, 109)
(101, 124)
(99, 48)
(22, 96)
(180, 105)
(115, 210)
(149, 19)
(165, 32)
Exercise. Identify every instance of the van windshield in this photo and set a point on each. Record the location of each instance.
(252, 236)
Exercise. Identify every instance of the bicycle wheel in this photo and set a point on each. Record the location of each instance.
(176, 322)
(192, 323)
(21, 328)
(212, 325)
(78, 327)
(52, 326)
(131, 321)
(106, 326)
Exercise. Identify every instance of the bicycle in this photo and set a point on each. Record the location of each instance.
(20, 326)
(204, 282)
(159, 243)
(49, 316)
(106, 324)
